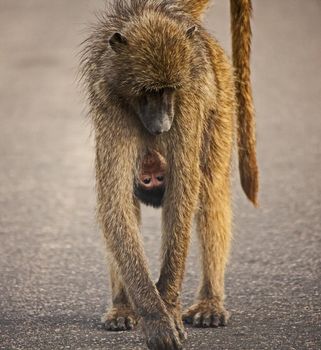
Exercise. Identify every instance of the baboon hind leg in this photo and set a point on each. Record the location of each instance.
(214, 215)
(213, 228)
(120, 317)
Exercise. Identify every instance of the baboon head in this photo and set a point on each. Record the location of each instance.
(150, 185)
(151, 62)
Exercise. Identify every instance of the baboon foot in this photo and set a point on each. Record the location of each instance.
(206, 313)
(119, 319)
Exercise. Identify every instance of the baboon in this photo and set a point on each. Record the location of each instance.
(150, 187)
(158, 82)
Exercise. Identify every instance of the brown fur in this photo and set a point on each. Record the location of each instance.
(159, 50)
(153, 162)
(241, 11)
(194, 7)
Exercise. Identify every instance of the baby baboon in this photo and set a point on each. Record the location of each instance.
(158, 82)
(150, 187)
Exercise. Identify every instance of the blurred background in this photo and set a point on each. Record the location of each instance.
(53, 279)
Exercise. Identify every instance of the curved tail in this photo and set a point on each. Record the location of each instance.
(241, 11)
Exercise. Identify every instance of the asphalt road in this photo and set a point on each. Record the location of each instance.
(53, 279)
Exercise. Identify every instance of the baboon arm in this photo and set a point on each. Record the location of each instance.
(178, 208)
(117, 216)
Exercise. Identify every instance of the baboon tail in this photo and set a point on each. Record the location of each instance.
(194, 7)
(241, 11)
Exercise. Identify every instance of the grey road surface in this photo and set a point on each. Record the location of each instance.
(53, 279)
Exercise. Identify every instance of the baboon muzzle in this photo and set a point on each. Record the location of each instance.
(156, 111)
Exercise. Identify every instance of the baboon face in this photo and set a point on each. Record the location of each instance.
(151, 63)
(155, 109)
(150, 186)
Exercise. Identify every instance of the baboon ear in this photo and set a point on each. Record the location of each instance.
(117, 41)
(190, 31)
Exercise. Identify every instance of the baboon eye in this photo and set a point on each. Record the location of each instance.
(147, 180)
(160, 178)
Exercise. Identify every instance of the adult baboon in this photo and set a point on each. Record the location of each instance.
(158, 82)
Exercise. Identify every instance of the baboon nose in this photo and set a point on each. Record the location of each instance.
(161, 130)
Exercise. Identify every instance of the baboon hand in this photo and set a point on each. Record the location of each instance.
(161, 334)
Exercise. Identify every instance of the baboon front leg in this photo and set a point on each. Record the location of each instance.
(178, 209)
(121, 316)
(213, 227)
(118, 217)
